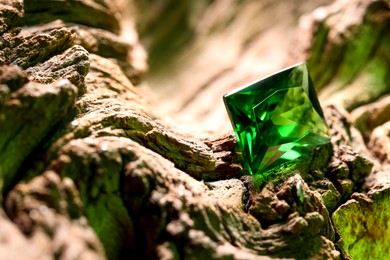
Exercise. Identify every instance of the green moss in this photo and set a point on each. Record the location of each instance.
(109, 218)
(364, 228)
(26, 126)
(359, 51)
(327, 59)
(97, 176)
(344, 59)
(371, 84)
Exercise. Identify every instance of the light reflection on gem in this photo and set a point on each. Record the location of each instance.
(277, 119)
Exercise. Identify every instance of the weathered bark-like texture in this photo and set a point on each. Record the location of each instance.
(48, 222)
(91, 169)
(352, 50)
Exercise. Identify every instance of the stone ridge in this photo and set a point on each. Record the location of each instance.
(82, 12)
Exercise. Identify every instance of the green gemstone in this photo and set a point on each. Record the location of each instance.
(277, 119)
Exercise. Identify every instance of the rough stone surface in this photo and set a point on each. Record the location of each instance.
(359, 231)
(82, 12)
(352, 54)
(37, 48)
(10, 13)
(23, 115)
(13, 77)
(379, 143)
(47, 210)
(34, 109)
(90, 169)
(347, 168)
(72, 64)
(129, 55)
(230, 192)
(366, 118)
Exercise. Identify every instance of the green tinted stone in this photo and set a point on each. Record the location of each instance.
(277, 119)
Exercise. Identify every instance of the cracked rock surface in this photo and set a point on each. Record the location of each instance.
(91, 168)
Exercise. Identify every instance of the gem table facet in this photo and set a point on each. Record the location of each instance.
(277, 119)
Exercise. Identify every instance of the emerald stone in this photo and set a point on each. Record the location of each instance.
(277, 119)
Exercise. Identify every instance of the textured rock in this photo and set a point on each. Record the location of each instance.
(146, 202)
(30, 111)
(191, 220)
(44, 214)
(95, 165)
(72, 64)
(347, 169)
(103, 43)
(379, 143)
(27, 52)
(367, 117)
(82, 12)
(120, 107)
(287, 200)
(329, 193)
(347, 53)
(10, 13)
(111, 102)
(100, 162)
(362, 222)
(15, 245)
(48, 210)
(229, 192)
(34, 108)
(301, 210)
(13, 77)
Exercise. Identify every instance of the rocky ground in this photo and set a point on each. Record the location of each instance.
(91, 167)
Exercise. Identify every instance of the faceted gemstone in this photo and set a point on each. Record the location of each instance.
(277, 119)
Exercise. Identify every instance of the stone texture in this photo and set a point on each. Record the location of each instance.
(24, 113)
(15, 245)
(10, 13)
(34, 109)
(229, 192)
(366, 118)
(347, 168)
(72, 64)
(360, 231)
(302, 213)
(115, 173)
(13, 77)
(128, 54)
(352, 54)
(379, 143)
(100, 189)
(82, 12)
(48, 210)
(27, 52)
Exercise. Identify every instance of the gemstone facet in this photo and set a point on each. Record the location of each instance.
(277, 119)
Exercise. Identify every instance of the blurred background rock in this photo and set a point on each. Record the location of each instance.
(199, 50)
